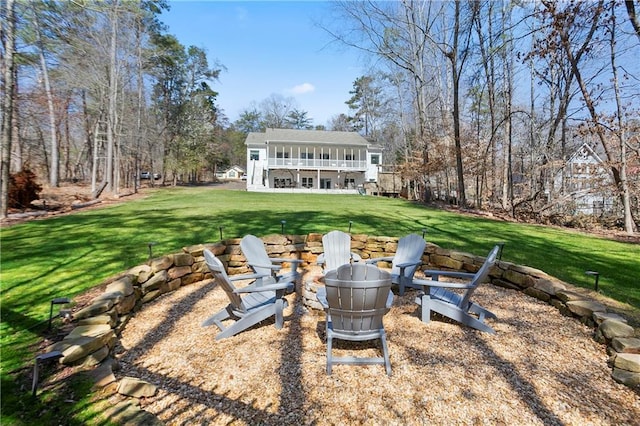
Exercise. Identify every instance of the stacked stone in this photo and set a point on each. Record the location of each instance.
(622, 346)
(98, 324)
(276, 245)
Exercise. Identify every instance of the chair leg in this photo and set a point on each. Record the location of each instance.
(426, 307)
(329, 356)
(245, 322)
(385, 352)
(279, 314)
(218, 318)
(481, 312)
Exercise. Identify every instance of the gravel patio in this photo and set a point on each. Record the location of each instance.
(541, 368)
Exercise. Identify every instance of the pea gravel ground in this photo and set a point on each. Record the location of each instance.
(541, 368)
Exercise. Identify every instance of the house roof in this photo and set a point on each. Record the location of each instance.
(584, 152)
(306, 136)
(237, 168)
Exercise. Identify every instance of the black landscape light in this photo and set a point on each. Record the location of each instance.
(49, 356)
(221, 228)
(350, 223)
(282, 223)
(150, 245)
(596, 275)
(57, 301)
(501, 244)
(424, 232)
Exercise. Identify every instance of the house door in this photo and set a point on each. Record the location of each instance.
(325, 183)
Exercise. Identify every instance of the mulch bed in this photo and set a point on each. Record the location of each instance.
(540, 368)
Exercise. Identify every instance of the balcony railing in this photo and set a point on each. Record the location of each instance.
(295, 163)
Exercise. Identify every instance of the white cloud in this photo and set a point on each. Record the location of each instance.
(302, 89)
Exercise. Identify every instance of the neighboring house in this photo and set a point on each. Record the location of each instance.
(235, 172)
(310, 161)
(586, 181)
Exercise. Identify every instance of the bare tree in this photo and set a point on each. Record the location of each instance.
(275, 109)
(576, 29)
(54, 172)
(620, 127)
(8, 64)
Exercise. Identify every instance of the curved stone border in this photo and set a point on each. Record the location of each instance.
(98, 325)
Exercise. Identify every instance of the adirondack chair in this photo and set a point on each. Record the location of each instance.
(355, 298)
(257, 258)
(247, 305)
(436, 297)
(337, 251)
(405, 262)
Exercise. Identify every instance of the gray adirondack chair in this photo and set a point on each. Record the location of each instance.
(437, 295)
(257, 258)
(337, 250)
(407, 259)
(355, 298)
(247, 305)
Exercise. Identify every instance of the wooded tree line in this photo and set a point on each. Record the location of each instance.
(98, 91)
(482, 102)
(476, 102)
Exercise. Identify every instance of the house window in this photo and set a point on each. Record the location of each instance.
(349, 183)
(306, 155)
(283, 183)
(325, 183)
(375, 159)
(282, 155)
(254, 154)
(307, 182)
(348, 157)
(232, 174)
(325, 156)
(598, 208)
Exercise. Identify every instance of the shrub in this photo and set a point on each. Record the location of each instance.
(23, 189)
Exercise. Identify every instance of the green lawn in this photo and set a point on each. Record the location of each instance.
(64, 256)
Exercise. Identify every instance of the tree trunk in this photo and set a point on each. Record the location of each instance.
(113, 93)
(453, 57)
(7, 104)
(629, 225)
(54, 172)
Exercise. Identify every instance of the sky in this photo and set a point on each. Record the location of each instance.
(269, 47)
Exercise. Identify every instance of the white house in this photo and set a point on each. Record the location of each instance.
(586, 181)
(234, 172)
(310, 161)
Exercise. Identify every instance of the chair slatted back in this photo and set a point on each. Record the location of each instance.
(337, 249)
(410, 249)
(253, 250)
(357, 295)
(480, 276)
(222, 279)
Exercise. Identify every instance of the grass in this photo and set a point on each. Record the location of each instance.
(66, 255)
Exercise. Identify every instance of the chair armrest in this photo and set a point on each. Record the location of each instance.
(283, 260)
(247, 277)
(434, 283)
(454, 274)
(407, 264)
(256, 287)
(320, 259)
(380, 259)
(269, 266)
(355, 257)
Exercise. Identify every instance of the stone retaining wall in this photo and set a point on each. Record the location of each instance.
(98, 325)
